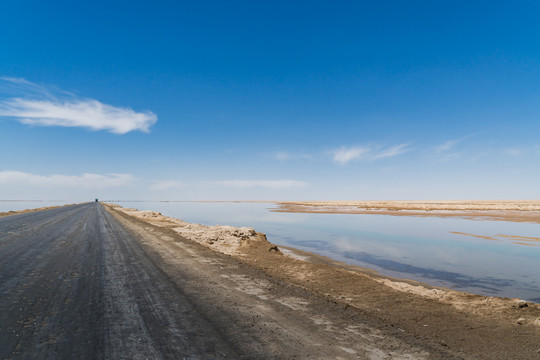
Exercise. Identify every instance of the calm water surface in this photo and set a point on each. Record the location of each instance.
(437, 251)
(495, 258)
(10, 205)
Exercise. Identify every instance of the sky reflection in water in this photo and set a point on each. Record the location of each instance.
(427, 249)
(438, 251)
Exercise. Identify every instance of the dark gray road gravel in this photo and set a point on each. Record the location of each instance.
(78, 282)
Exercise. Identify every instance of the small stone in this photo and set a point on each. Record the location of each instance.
(521, 321)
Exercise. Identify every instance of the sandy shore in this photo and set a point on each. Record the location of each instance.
(471, 325)
(507, 210)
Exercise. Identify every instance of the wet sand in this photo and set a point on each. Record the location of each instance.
(467, 325)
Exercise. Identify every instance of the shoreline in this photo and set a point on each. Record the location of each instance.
(497, 210)
(231, 241)
(475, 326)
(493, 210)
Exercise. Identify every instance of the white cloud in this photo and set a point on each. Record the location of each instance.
(450, 144)
(16, 87)
(287, 156)
(165, 185)
(272, 184)
(88, 181)
(447, 145)
(368, 153)
(35, 105)
(449, 151)
(392, 151)
(344, 155)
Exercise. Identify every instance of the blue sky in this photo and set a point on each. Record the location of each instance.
(278, 100)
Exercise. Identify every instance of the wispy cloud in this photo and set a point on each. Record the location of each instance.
(523, 151)
(33, 104)
(391, 151)
(450, 144)
(513, 152)
(447, 145)
(89, 181)
(344, 155)
(166, 185)
(367, 153)
(282, 155)
(272, 184)
(288, 156)
(451, 156)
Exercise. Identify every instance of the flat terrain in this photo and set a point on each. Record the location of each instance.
(78, 282)
(503, 210)
(89, 281)
(444, 321)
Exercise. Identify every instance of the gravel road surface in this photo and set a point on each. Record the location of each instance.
(78, 282)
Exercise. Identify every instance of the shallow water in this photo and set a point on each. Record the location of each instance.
(494, 258)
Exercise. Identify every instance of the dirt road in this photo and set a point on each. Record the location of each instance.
(78, 282)
(82, 282)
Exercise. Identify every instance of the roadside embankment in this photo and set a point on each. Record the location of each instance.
(472, 325)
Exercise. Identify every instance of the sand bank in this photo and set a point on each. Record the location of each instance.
(507, 210)
(476, 326)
